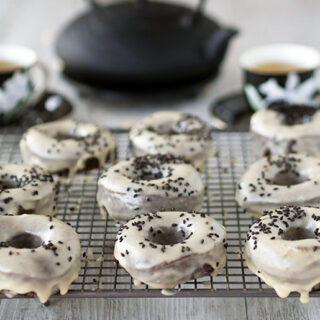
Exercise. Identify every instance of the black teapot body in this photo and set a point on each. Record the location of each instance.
(143, 45)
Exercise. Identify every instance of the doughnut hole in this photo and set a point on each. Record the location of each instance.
(92, 163)
(162, 129)
(288, 178)
(293, 234)
(61, 136)
(9, 184)
(187, 125)
(12, 183)
(167, 235)
(25, 240)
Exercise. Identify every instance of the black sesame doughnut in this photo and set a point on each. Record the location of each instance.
(173, 132)
(286, 129)
(165, 249)
(148, 184)
(67, 145)
(283, 249)
(26, 189)
(38, 254)
(279, 180)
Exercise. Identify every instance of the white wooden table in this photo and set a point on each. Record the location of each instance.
(35, 23)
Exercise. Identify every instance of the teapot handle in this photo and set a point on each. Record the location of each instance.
(192, 19)
(200, 7)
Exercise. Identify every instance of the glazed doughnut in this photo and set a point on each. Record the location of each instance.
(25, 189)
(148, 184)
(165, 249)
(286, 129)
(67, 145)
(38, 254)
(173, 132)
(280, 180)
(283, 249)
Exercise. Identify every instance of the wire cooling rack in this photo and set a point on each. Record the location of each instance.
(101, 276)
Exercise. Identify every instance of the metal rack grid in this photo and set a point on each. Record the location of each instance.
(101, 276)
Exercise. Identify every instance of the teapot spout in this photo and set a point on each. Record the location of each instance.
(216, 45)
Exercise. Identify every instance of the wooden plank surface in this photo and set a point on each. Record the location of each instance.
(164, 308)
(282, 309)
(35, 23)
(118, 309)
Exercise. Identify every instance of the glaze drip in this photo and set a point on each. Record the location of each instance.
(282, 247)
(38, 254)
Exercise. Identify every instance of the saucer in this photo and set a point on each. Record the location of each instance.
(231, 111)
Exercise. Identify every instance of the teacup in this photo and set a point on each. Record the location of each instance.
(19, 81)
(280, 72)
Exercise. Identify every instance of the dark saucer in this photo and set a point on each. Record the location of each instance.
(231, 111)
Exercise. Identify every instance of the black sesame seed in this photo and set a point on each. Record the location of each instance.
(7, 200)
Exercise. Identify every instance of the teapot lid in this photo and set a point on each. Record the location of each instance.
(140, 46)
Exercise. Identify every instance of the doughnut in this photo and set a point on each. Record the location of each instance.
(26, 189)
(38, 254)
(148, 184)
(67, 145)
(279, 180)
(283, 249)
(286, 129)
(164, 249)
(173, 132)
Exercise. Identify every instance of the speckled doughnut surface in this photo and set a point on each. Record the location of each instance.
(173, 132)
(283, 249)
(26, 189)
(149, 184)
(38, 254)
(295, 130)
(165, 249)
(67, 145)
(279, 180)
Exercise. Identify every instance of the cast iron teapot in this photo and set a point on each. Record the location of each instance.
(143, 45)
